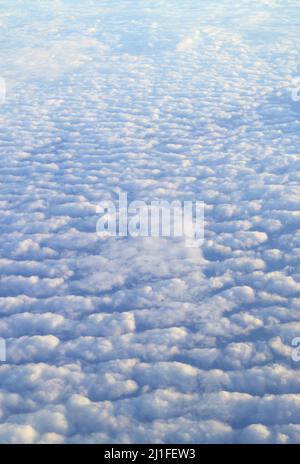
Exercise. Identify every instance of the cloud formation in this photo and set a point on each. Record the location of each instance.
(122, 340)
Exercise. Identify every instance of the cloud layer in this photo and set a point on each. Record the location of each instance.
(144, 340)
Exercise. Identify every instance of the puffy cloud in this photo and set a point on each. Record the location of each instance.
(145, 340)
(16, 434)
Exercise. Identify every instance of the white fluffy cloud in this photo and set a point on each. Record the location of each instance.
(145, 340)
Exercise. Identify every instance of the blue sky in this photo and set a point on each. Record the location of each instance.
(135, 340)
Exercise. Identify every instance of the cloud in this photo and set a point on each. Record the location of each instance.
(123, 340)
